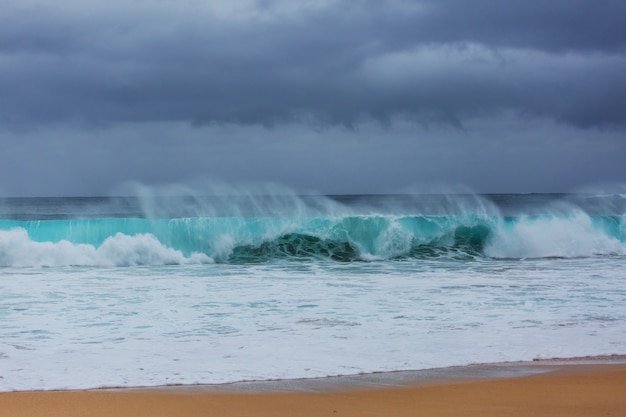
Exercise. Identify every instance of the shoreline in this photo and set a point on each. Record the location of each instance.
(388, 379)
(553, 387)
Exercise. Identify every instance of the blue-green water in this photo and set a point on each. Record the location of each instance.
(205, 289)
(345, 229)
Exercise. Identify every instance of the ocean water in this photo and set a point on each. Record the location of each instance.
(153, 290)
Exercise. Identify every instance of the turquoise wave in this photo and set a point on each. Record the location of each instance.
(344, 239)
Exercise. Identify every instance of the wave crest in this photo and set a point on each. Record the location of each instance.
(131, 242)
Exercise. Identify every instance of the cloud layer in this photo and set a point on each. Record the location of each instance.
(333, 95)
(335, 62)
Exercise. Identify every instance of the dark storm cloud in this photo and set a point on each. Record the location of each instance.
(556, 25)
(506, 154)
(336, 62)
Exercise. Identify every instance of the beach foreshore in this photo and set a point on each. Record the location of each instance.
(579, 387)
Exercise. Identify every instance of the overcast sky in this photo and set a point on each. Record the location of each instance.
(333, 96)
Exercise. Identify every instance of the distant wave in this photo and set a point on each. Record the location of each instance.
(348, 238)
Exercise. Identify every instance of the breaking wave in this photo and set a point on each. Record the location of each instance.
(346, 238)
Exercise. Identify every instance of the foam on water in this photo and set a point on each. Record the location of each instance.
(565, 236)
(243, 288)
(219, 323)
(18, 250)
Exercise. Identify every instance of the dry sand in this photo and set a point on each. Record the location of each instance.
(556, 390)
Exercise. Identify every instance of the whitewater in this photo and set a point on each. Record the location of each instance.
(200, 289)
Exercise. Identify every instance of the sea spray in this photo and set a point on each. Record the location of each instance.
(566, 232)
(246, 227)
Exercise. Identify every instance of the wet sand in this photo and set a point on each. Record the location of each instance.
(553, 388)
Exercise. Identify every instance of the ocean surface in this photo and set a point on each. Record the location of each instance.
(153, 290)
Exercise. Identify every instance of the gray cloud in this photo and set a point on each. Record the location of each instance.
(334, 62)
(336, 96)
(507, 154)
(558, 26)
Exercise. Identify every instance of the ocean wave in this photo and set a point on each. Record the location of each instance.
(351, 238)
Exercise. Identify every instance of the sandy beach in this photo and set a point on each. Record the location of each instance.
(557, 389)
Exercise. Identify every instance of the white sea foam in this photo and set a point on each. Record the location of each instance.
(573, 235)
(17, 249)
(219, 323)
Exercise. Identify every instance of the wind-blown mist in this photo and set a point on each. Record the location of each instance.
(236, 224)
